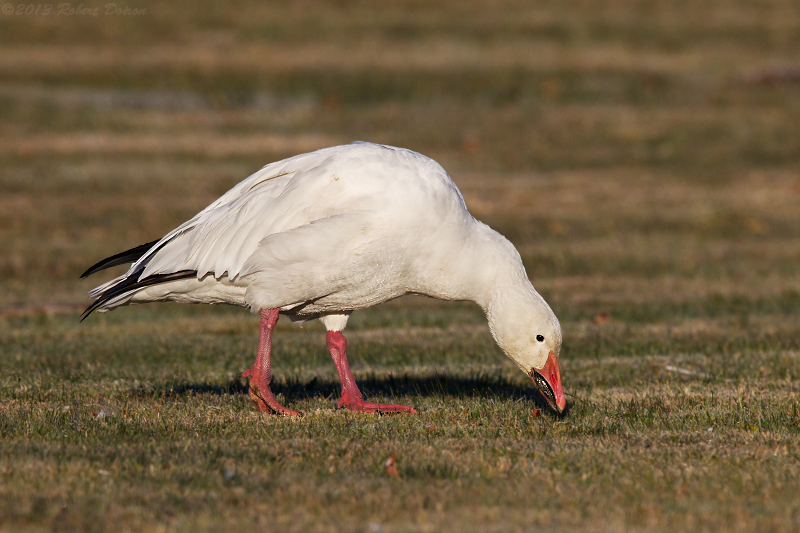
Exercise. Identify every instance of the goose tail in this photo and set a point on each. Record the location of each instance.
(119, 290)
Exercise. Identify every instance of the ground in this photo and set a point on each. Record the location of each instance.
(642, 156)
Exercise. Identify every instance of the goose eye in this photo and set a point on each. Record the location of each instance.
(540, 338)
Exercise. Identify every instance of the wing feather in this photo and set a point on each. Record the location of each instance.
(221, 238)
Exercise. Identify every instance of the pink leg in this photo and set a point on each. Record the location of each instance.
(260, 374)
(351, 396)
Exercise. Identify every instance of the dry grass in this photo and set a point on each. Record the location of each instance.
(642, 156)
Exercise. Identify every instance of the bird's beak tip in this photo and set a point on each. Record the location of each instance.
(548, 381)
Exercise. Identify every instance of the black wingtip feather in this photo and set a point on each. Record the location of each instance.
(128, 256)
(129, 285)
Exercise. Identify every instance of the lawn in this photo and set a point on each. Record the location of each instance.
(643, 157)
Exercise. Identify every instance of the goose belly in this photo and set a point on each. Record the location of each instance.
(349, 300)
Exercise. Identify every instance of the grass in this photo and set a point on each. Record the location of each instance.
(641, 156)
(140, 418)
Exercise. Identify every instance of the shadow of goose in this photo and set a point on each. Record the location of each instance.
(486, 387)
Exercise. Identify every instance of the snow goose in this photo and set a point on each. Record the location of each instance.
(323, 234)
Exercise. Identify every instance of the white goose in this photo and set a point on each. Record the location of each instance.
(320, 235)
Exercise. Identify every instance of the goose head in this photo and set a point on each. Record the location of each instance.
(527, 330)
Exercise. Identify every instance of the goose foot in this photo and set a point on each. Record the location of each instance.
(360, 406)
(351, 397)
(265, 400)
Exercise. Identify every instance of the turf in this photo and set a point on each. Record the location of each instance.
(642, 156)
